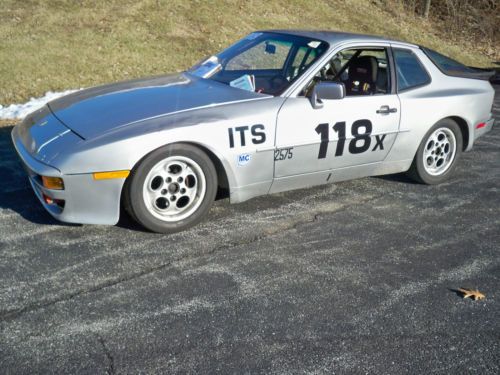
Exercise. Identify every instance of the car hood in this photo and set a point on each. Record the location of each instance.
(95, 111)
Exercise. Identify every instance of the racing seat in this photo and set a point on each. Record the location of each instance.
(362, 76)
(382, 83)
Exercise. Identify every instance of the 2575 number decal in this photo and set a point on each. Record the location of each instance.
(359, 144)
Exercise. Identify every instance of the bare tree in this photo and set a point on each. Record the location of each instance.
(427, 7)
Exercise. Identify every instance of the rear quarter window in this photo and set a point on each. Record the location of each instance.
(409, 70)
(445, 64)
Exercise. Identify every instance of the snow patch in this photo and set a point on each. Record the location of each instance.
(19, 111)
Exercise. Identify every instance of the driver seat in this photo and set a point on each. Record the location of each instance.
(362, 76)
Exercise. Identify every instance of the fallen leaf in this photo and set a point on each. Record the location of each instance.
(474, 294)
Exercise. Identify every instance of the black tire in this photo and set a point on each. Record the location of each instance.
(419, 172)
(151, 217)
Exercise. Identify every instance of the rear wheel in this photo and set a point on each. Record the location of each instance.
(172, 188)
(437, 154)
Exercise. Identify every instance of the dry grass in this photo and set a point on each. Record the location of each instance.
(463, 23)
(5, 123)
(55, 45)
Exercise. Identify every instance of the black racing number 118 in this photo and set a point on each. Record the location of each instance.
(359, 144)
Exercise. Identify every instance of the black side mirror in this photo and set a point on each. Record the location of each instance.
(270, 48)
(327, 91)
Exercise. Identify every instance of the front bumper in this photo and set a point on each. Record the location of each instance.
(86, 201)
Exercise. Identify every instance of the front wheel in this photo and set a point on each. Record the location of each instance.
(172, 188)
(438, 153)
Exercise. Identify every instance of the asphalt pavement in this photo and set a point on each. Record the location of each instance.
(354, 277)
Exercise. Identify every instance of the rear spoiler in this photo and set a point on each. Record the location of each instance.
(453, 68)
(495, 78)
(478, 73)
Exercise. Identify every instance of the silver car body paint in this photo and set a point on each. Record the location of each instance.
(105, 129)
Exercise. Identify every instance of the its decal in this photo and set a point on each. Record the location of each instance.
(257, 135)
(244, 159)
(359, 144)
(283, 153)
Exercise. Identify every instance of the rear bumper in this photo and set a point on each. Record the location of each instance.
(86, 201)
(488, 125)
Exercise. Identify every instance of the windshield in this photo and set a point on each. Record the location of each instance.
(262, 62)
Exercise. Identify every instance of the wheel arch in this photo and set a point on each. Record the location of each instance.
(464, 129)
(223, 188)
(223, 182)
(418, 170)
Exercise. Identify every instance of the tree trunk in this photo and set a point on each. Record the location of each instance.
(427, 7)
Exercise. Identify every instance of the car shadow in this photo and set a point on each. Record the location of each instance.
(127, 222)
(16, 193)
(399, 177)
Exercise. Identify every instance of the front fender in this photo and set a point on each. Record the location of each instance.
(208, 128)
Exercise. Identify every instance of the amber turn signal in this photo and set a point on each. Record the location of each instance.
(110, 175)
(54, 183)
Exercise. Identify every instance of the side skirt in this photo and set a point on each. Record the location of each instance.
(336, 175)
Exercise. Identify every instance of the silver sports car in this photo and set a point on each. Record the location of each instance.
(277, 110)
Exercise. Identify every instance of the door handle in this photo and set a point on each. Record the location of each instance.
(384, 110)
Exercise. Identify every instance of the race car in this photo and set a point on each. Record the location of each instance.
(278, 110)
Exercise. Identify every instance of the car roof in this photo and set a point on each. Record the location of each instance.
(335, 37)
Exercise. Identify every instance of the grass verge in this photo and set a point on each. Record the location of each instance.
(56, 45)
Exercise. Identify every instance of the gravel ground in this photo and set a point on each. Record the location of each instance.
(355, 277)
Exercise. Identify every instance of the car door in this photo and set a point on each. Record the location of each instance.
(358, 129)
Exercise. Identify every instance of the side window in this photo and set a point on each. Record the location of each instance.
(410, 72)
(363, 71)
(269, 54)
(382, 78)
